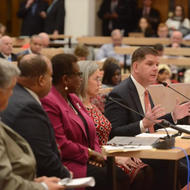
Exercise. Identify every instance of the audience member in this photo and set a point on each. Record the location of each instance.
(45, 39)
(145, 27)
(31, 11)
(133, 92)
(6, 48)
(150, 13)
(176, 40)
(112, 73)
(160, 49)
(55, 17)
(164, 74)
(36, 45)
(74, 129)
(81, 52)
(118, 14)
(25, 115)
(162, 31)
(17, 161)
(107, 50)
(2, 30)
(140, 174)
(178, 21)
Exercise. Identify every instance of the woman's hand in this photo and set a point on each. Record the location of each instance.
(96, 158)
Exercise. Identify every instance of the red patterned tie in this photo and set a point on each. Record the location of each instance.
(148, 107)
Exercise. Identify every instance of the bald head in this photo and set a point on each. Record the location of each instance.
(36, 73)
(176, 37)
(6, 45)
(117, 37)
(45, 39)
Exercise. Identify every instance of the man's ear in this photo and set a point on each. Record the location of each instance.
(135, 66)
(41, 80)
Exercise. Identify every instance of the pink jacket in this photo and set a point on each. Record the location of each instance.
(70, 131)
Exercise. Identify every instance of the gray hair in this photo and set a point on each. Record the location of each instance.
(7, 72)
(87, 68)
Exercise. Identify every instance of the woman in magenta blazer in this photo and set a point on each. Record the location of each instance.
(74, 129)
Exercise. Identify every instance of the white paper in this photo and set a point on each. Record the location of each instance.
(151, 135)
(77, 182)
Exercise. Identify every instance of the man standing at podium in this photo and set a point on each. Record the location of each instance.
(133, 92)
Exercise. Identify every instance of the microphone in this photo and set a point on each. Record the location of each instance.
(165, 142)
(167, 85)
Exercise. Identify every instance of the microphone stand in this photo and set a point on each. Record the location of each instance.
(165, 142)
(167, 85)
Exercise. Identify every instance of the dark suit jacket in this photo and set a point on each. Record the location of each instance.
(55, 19)
(26, 116)
(13, 56)
(126, 20)
(32, 23)
(125, 122)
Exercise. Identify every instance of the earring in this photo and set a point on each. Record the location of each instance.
(66, 88)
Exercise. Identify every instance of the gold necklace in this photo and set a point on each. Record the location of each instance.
(73, 108)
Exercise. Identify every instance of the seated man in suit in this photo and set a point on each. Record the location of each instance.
(107, 50)
(133, 92)
(26, 116)
(6, 48)
(17, 162)
(35, 46)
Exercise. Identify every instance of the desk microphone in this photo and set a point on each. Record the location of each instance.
(164, 143)
(167, 85)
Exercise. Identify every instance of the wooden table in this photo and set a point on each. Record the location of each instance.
(173, 155)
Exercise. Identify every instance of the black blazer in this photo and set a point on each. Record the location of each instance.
(126, 10)
(32, 23)
(26, 116)
(55, 19)
(13, 56)
(125, 122)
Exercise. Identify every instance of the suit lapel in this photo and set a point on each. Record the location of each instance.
(135, 97)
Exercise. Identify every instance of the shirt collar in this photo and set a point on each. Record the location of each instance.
(139, 87)
(34, 95)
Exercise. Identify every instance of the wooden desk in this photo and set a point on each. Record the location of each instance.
(172, 154)
(140, 41)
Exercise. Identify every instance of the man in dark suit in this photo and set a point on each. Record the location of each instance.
(26, 116)
(55, 18)
(150, 13)
(32, 13)
(144, 70)
(6, 47)
(118, 14)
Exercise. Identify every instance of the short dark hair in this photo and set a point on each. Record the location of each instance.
(158, 47)
(62, 64)
(140, 53)
(33, 66)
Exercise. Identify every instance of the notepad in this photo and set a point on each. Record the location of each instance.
(69, 183)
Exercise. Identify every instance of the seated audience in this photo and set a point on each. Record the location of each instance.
(74, 129)
(140, 174)
(107, 50)
(162, 31)
(2, 30)
(164, 74)
(45, 39)
(112, 73)
(153, 15)
(178, 21)
(17, 162)
(6, 48)
(35, 46)
(145, 27)
(81, 52)
(26, 116)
